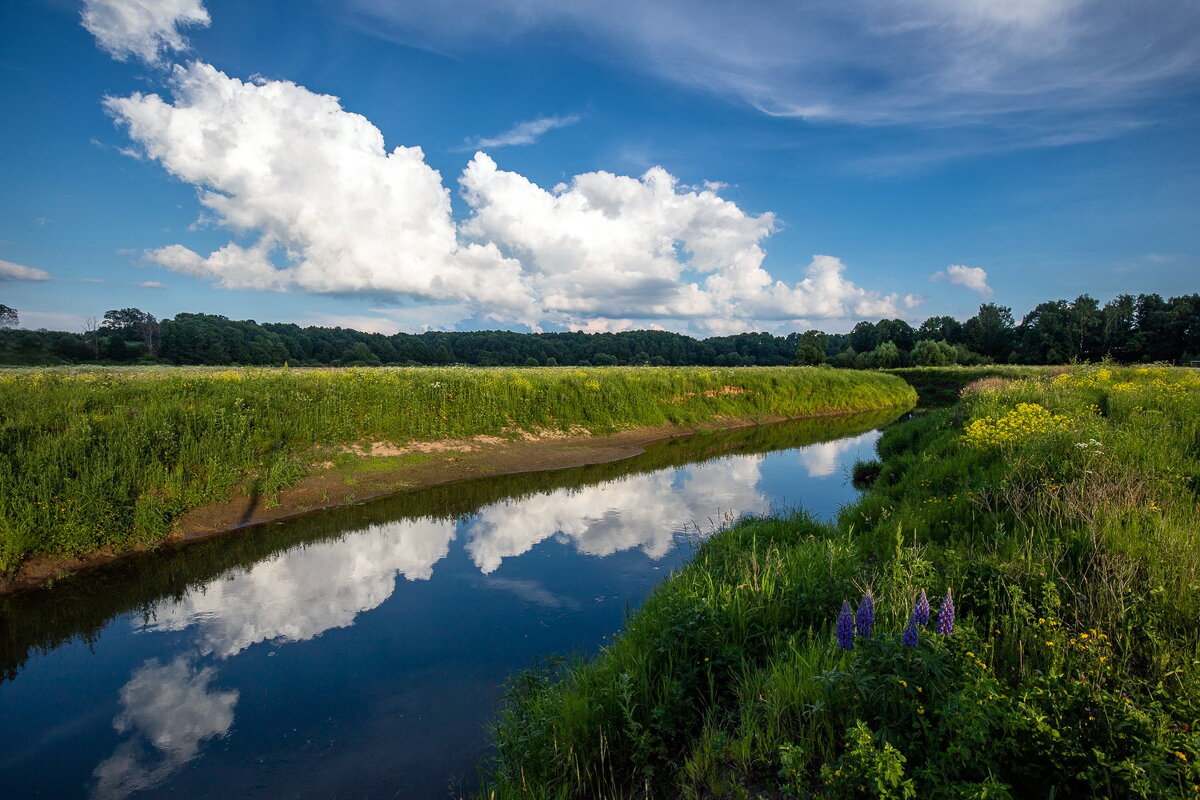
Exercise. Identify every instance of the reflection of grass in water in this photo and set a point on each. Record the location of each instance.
(90, 458)
(1073, 555)
(81, 605)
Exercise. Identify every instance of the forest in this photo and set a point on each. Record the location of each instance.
(1128, 329)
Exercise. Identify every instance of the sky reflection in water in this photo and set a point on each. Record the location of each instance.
(394, 699)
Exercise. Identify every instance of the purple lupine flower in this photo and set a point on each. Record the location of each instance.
(845, 627)
(910, 636)
(864, 619)
(921, 609)
(946, 615)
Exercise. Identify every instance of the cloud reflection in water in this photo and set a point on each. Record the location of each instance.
(169, 710)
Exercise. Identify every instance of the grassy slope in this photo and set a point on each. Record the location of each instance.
(90, 458)
(1071, 547)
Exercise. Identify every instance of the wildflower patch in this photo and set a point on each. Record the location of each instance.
(1025, 423)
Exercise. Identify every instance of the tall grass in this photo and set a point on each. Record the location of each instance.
(1073, 670)
(92, 458)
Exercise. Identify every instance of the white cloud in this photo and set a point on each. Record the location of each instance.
(320, 191)
(171, 708)
(607, 249)
(299, 594)
(822, 460)
(1030, 66)
(327, 209)
(973, 278)
(523, 132)
(149, 284)
(646, 512)
(146, 29)
(17, 272)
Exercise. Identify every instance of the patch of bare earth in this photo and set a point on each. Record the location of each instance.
(724, 390)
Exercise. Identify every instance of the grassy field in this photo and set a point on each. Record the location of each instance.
(93, 458)
(1059, 511)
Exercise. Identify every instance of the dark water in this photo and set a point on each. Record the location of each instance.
(359, 652)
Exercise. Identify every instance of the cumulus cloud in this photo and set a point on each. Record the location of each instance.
(18, 272)
(824, 459)
(973, 278)
(607, 249)
(169, 710)
(1039, 69)
(523, 132)
(145, 29)
(324, 207)
(317, 187)
(646, 512)
(299, 594)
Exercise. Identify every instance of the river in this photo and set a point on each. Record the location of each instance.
(361, 651)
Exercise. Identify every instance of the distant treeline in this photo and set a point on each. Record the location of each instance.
(1128, 329)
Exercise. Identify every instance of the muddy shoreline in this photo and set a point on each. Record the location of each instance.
(331, 486)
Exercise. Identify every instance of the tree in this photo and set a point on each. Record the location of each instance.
(885, 356)
(896, 331)
(946, 329)
(1117, 335)
(810, 350)
(359, 355)
(930, 353)
(91, 335)
(991, 331)
(864, 337)
(125, 321)
(8, 317)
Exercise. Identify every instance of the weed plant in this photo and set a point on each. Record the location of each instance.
(111, 457)
(1059, 513)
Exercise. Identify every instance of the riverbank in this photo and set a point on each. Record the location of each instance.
(109, 462)
(1057, 514)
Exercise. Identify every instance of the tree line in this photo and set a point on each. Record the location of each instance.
(1128, 329)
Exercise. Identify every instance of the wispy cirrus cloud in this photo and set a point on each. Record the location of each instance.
(1040, 72)
(526, 132)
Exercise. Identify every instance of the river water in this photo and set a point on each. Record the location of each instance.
(361, 651)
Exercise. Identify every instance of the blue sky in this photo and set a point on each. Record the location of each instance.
(698, 166)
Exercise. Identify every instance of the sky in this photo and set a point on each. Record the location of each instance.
(701, 166)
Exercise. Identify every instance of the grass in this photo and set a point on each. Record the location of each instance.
(1073, 669)
(938, 387)
(91, 458)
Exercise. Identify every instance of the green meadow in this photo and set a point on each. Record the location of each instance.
(1058, 512)
(111, 457)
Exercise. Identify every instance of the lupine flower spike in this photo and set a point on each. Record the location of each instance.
(845, 627)
(865, 618)
(910, 636)
(921, 609)
(946, 615)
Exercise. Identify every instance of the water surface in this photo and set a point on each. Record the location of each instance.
(360, 651)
